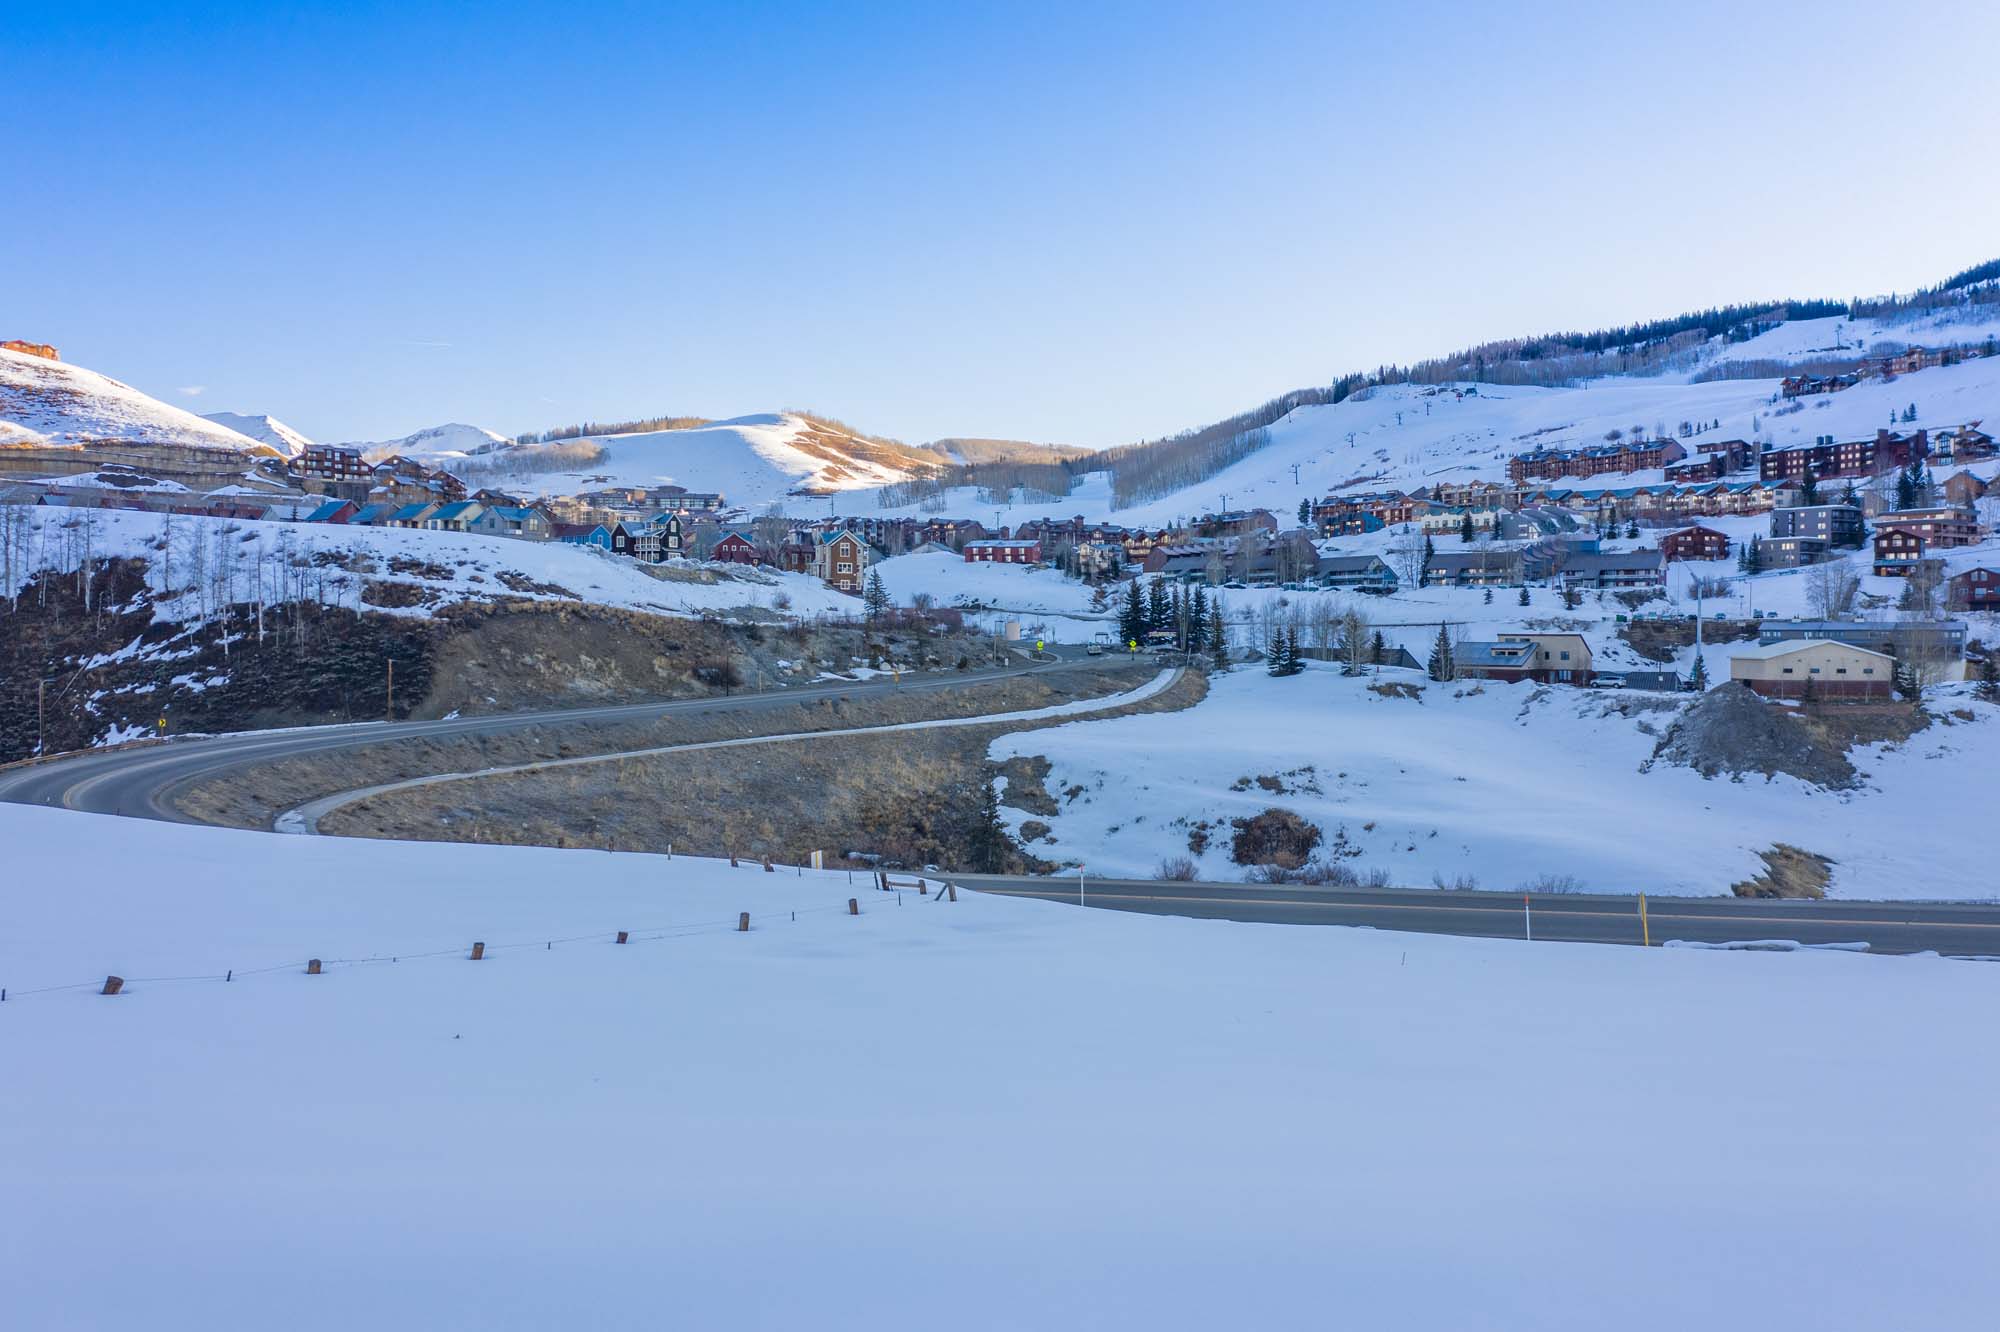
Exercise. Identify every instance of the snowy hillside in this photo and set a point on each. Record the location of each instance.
(1837, 337)
(442, 568)
(751, 460)
(837, 1121)
(67, 404)
(1406, 436)
(1503, 784)
(264, 429)
(437, 445)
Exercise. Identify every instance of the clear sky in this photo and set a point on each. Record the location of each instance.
(1069, 222)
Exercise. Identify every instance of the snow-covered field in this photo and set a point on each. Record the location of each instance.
(990, 1114)
(448, 567)
(1504, 784)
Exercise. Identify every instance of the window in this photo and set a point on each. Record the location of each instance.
(1788, 670)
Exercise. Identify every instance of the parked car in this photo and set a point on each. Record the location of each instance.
(1094, 650)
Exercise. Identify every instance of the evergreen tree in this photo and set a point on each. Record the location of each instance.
(1294, 661)
(1378, 649)
(1159, 606)
(1465, 527)
(1809, 692)
(875, 596)
(988, 843)
(1274, 653)
(1808, 487)
(1907, 683)
(1305, 512)
(1524, 594)
(1906, 487)
(1132, 617)
(1489, 596)
(1698, 677)
(1218, 635)
(1441, 666)
(1198, 619)
(1988, 688)
(1632, 530)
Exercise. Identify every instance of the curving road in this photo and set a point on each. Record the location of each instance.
(1958, 929)
(144, 781)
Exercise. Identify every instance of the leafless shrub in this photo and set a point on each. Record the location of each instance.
(1178, 869)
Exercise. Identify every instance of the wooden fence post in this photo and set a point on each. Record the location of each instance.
(478, 951)
(743, 923)
(112, 985)
(952, 888)
(923, 889)
(312, 967)
(621, 936)
(853, 907)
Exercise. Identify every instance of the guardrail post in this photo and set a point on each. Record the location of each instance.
(621, 936)
(312, 967)
(853, 907)
(112, 985)
(952, 888)
(923, 889)
(478, 951)
(743, 923)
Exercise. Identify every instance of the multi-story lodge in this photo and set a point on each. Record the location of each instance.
(1834, 524)
(1596, 460)
(1887, 452)
(332, 462)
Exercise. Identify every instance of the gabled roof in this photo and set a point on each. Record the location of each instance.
(327, 510)
(457, 509)
(1785, 647)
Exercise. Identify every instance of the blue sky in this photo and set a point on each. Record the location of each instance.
(1084, 223)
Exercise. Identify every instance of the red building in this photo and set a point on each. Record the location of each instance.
(1695, 543)
(1975, 589)
(736, 549)
(1887, 452)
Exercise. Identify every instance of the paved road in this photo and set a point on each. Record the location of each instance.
(1958, 929)
(144, 781)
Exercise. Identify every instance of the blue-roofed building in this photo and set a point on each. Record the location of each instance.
(412, 515)
(510, 521)
(454, 517)
(334, 511)
(372, 515)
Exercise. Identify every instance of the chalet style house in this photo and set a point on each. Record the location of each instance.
(1975, 589)
(1694, 543)
(735, 548)
(840, 560)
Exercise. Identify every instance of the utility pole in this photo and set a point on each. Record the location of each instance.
(41, 727)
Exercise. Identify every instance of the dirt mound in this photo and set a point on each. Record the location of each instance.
(1731, 730)
(1788, 872)
(1275, 837)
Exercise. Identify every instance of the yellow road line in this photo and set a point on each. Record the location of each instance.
(1100, 895)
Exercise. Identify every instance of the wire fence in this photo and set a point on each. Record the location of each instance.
(627, 936)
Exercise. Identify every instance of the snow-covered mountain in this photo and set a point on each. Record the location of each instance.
(752, 460)
(438, 444)
(263, 428)
(63, 403)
